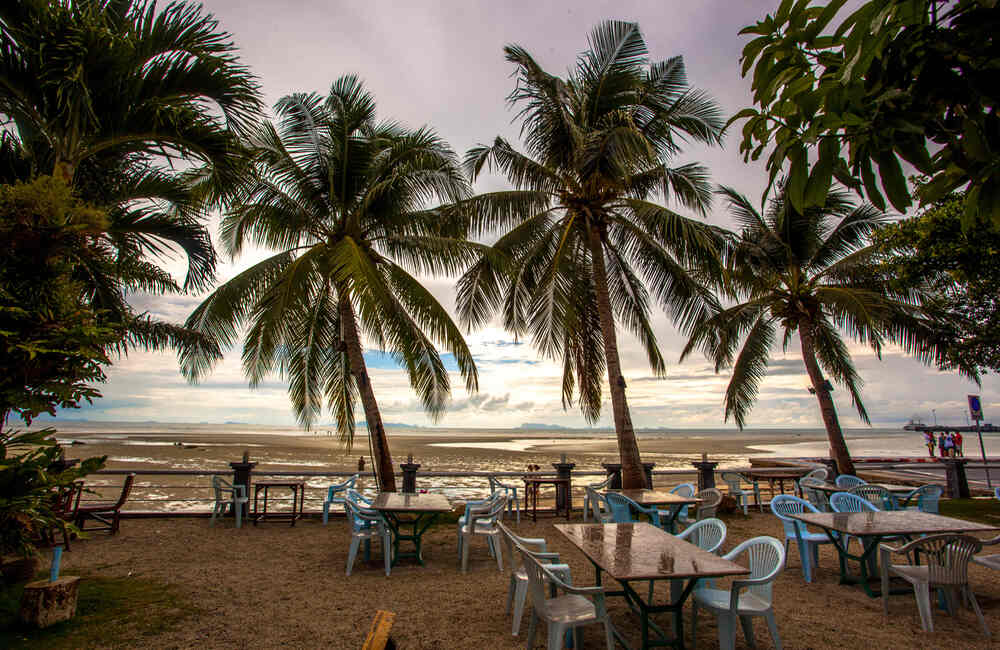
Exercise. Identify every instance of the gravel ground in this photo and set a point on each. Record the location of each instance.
(275, 586)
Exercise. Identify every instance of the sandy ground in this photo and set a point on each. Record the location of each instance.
(275, 586)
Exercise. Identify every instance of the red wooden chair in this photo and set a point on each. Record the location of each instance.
(106, 513)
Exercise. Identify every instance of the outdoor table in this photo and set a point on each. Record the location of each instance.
(648, 498)
(872, 527)
(298, 489)
(772, 474)
(408, 509)
(643, 552)
(562, 485)
(830, 488)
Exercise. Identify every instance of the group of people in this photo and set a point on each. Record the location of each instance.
(949, 444)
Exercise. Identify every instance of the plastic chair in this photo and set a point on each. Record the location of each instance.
(846, 502)
(513, 504)
(821, 473)
(809, 486)
(106, 513)
(945, 566)
(682, 490)
(593, 487)
(735, 484)
(482, 519)
(784, 505)
(876, 495)
(599, 507)
(366, 525)
(747, 597)
(228, 494)
(846, 481)
(706, 534)
(578, 606)
(989, 561)
(517, 592)
(926, 498)
(710, 500)
(333, 499)
(622, 509)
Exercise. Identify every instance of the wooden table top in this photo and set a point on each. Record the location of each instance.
(655, 498)
(278, 483)
(543, 479)
(776, 473)
(832, 487)
(641, 551)
(409, 502)
(890, 522)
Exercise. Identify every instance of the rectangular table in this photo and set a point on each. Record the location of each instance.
(830, 488)
(772, 475)
(643, 552)
(872, 527)
(408, 509)
(298, 489)
(648, 498)
(563, 489)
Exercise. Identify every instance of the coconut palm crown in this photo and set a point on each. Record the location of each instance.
(583, 242)
(342, 197)
(815, 274)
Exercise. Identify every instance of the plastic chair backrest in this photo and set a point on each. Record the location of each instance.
(846, 502)
(333, 490)
(219, 485)
(733, 481)
(683, 490)
(538, 577)
(354, 512)
(601, 485)
(848, 481)
(876, 495)
(787, 504)
(809, 486)
(947, 557)
(599, 506)
(766, 557)
(820, 473)
(622, 507)
(710, 500)
(490, 510)
(707, 534)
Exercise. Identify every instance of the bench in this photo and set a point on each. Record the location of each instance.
(378, 635)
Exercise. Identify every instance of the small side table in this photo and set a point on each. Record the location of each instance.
(298, 489)
(562, 486)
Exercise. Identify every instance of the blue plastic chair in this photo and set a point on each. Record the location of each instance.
(876, 495)
(622, 509)
(683, 490)
(784, 505)
(333, 499)
(366, 525)
(924, 498)
(513, 504)
(847, 481)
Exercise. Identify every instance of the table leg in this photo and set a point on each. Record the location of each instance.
(256, 491)
(295, 504)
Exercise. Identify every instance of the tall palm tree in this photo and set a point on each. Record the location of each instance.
(581, 231)
(342, 197)
(115, 96)
(815, 274)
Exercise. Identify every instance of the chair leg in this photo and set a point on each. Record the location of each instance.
(804, 556)
(215, 512)
(694, 624)
(532, 626)
(520, 596)
(747, 624)
(922, 591)
(511, 588)
(352, 553)
(971, 597)
(555, 640)
(465, 555)
(727, 631)
(499, 554)
(772, 627)
(387, 552)
(238, 509)
(326, 512)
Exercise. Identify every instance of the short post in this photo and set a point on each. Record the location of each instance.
(241, 476)
(706, 472)
(614, 470)
(957, 483)
(831, 465)
(409, 474)
(564, 497)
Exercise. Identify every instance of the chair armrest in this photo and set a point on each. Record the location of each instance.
(991, 542)
(469, 505)
(534, 544)
(550, 557)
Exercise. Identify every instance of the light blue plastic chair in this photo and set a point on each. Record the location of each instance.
(876, 495)
(707, 534)
(747, 597)
(588, 499)
(481, 518)
(924, 498)
(734, 481)
(517, 591)
(513, 504)
(623, 509)
(784, 505)
(332, 498)
(366, 525)
(599, 507)
(682, 490)
(228, 495)
(847, 481)
(846, 502)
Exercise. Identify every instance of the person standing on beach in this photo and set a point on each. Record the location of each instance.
(940, 441)
(949, 445)
(958, 444)
(929, 442)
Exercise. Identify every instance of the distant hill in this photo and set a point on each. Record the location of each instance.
(540, 425)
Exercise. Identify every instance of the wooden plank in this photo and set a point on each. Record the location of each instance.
(378, 635)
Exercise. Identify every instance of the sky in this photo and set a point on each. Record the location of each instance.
(441, 63)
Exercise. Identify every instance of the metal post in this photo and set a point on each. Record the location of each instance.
(564, 498)
(982, 450)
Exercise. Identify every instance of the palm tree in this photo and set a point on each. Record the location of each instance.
(342, 198)
(581, 231)
(816, 274)
(115, 96)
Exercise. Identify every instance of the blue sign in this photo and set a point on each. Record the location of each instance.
(975, 408)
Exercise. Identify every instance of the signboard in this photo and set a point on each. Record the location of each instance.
(975, 408)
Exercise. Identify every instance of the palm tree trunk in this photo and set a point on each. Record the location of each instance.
(382, 460)
(628, 450)
(838, 447)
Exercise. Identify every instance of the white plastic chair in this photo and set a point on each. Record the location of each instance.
(599, 507)
(747, 597)
(482, 519)
(784, 505)
(989, 561)
(709, 505)
(513, 503)
(735, 484)
(517, 591)
(333, 499)
(366, 525)
(821, 473)
(228, 494)
(945, 566)
(593, 487)
(706, 534)
(847, 481)
(578, 606)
